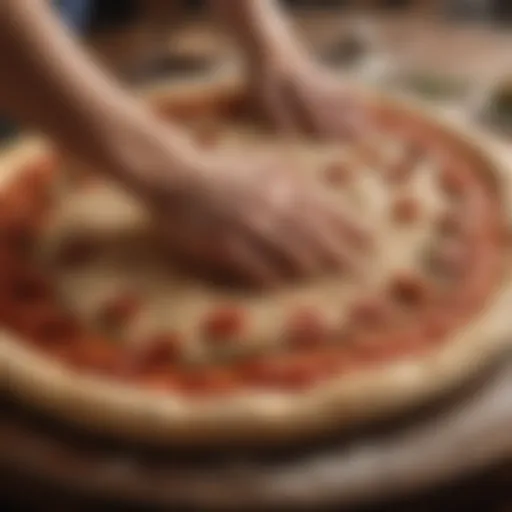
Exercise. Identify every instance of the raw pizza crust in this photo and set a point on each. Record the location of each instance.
(133, 263)
(255, 417)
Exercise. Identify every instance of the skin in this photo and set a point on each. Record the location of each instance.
(249, 216)
(298, 95)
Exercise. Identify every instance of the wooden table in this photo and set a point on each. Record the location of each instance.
(476, 51)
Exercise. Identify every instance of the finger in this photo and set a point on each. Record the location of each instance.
(350, 122)
(294, 250)
(223, 261)
(354, 234)
(330, 236)
(276, 223)
(277, 246)
(330, 115)
(303, 111)
(278, 110)
(330, 244)
(249, 262)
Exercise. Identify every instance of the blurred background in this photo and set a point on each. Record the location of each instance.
(457, 53)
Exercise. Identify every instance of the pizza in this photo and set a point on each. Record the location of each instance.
(100, 330)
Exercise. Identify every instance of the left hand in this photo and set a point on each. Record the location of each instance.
(299, 96)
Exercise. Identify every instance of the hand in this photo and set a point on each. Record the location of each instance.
(252, 220)
(301, 97)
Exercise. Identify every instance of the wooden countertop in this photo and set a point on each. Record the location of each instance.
(478, 51)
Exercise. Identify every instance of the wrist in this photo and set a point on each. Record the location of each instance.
(273, 44)
(261, 28)
(143, 154)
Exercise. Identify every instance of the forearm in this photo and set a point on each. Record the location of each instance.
(260, 27)
(49, 82)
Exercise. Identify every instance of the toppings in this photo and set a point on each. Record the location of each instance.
(29, 287)
(17, 226)
(306, 328)
(450, 258)
(402, 169)
(159, 350)
(406, 210)
(118, 311)
(409, 290)
(223, 324)
(96, 354)
(29, 195)
(76, 252)
(450, 224)
(17, 238)
(369, 312)
(311, 350)
(452, 180)
(35, 182)
(48, 326)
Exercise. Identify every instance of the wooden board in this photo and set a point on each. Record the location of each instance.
(460, 437)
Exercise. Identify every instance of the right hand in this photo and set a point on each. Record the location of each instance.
(253, 219)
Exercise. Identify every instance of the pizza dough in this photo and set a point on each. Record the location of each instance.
(101, 331)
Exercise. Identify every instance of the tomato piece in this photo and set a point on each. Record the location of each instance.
(369, 312)
(452, 180)
(29, 287)
(223, 324)
(47, 325)
(450, 224)
(409, 290)
(307, 328)
(17, 227)
(42, 169)
(96, 354)
(159, 349)
(36, 180)
(406, 210)
(76, 252)
(451, 258)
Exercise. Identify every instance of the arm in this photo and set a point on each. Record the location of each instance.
(48, 81)
(252, 214)
(295, 91)
(260, 27)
